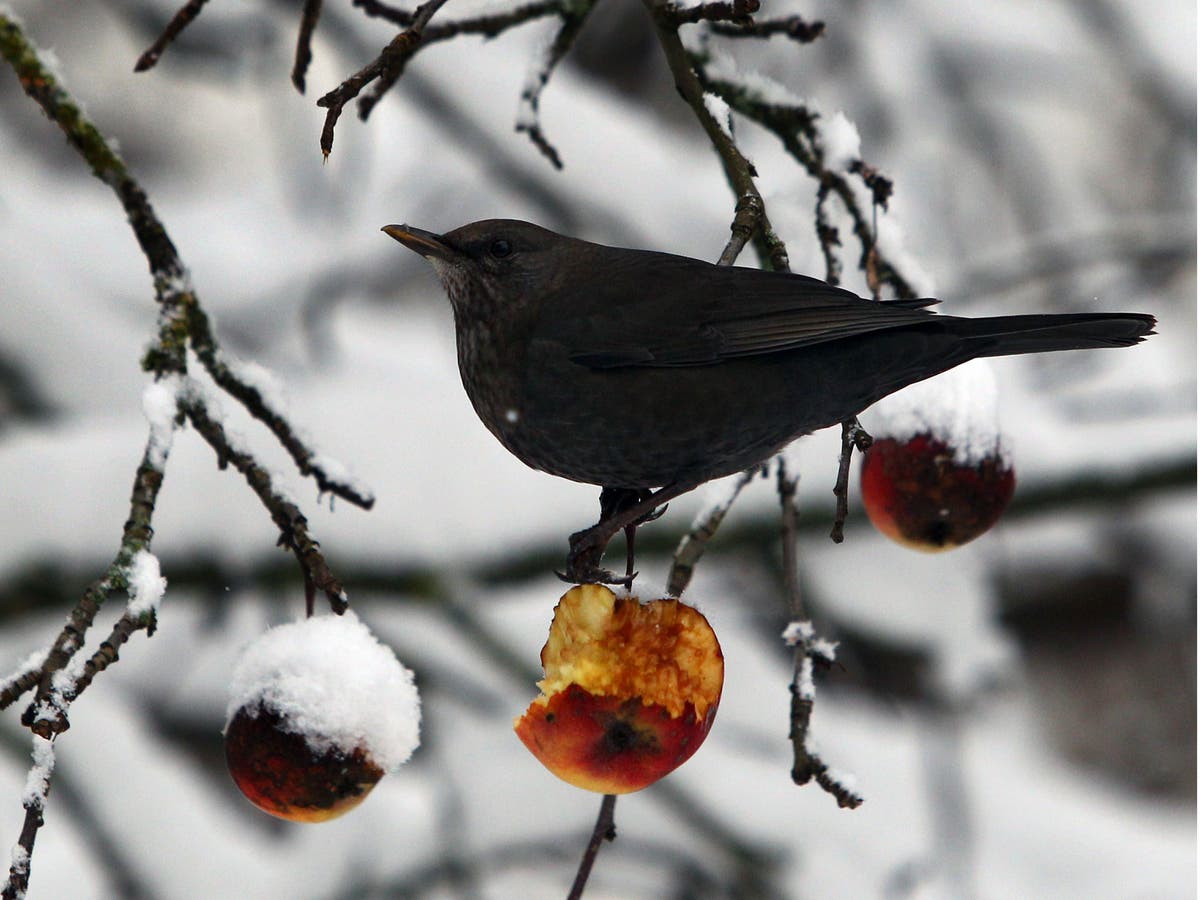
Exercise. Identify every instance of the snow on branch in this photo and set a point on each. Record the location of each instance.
(33, 799)
(794, 27)
(292, 524)
(704, 528)
(750, 216)
(58, 675)
(810, 655)
(573, 15)
(387, 68)
(826, 148)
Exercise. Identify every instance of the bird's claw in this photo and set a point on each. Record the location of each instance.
(583, 561)
(653, 514)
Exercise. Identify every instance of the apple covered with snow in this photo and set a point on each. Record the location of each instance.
(630, 692)
(938, 473)
(319, 711)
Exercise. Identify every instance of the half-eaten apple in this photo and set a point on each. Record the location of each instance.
(630, 690)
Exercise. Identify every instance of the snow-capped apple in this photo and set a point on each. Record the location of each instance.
(319, 711)
(938, 473)
(630, 690)
(281, 773)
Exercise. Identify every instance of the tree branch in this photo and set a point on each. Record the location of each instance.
(178, 22)
(604, 830)
(738, 170)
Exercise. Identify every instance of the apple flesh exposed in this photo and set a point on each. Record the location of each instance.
(280, 772)
(919, 494)
(630, 692)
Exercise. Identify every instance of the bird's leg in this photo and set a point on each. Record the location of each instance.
(614, 501)
(620, 508)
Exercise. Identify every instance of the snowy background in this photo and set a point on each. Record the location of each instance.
(1020, 713)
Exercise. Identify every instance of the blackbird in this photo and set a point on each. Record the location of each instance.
(637, 370)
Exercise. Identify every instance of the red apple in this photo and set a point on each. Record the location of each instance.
(630, 692)
(318, 711)
(280, 772)
(922, 494)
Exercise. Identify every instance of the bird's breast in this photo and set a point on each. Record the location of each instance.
(490, 362)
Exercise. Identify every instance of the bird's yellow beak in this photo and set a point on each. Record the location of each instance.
(419, 241)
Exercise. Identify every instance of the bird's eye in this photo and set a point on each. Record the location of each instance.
(500, 248)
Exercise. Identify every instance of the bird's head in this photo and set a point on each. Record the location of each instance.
(490, 264)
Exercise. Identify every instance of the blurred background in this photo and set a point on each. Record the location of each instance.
(1020, 714)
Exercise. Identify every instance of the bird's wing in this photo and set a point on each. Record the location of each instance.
(667, 320)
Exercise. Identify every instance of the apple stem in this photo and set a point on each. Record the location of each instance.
(605, 830)
(854, 437)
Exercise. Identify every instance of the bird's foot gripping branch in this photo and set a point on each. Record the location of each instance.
(621, 509)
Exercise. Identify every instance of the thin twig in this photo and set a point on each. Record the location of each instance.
(529, 118)
(34, 800)
(810, 653)
(47, 713)
(694, 543)
(828, 237)
(854, 436)
(178, 22)
(738, 170)
(489, 25)
(485, 25)
(308, 24)
(794, 27)
(385, 68)
(204, 342)
(292, 524)
(747, 216)
(604, 830)
(182, 321)
(395, 63)
(795, 126)
(738, 11)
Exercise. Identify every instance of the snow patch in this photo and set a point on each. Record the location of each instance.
(839, 137)
(37, 783)
(146, 584)
(160, 405)
(959, 408)
(332, 681)
(719, 110)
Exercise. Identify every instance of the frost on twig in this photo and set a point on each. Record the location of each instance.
(704, 527)
(810, 655)
(750, 219)
(262, 392)
(144, 584)
(292, 524)
(22, 679)
(33, 799)
(572, 15)
(798, 29)
(826, 148)
(60, 674)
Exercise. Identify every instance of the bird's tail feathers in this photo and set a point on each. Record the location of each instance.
(1009, 335)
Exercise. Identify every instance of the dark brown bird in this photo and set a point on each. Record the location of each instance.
(633, 370)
